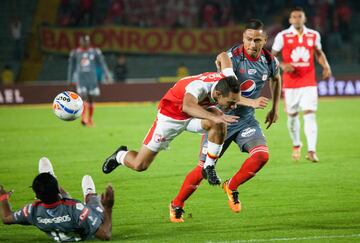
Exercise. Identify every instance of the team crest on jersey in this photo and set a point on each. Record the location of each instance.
(264, 77)
(310, 42)
(242, 70)
(251, 71)
(290, 41)
(158, 138)
(247, 88)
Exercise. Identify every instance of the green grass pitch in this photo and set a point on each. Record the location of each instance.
(287, 201)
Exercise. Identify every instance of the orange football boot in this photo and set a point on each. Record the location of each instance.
(176, 214)
(234, 202)
(296, 153)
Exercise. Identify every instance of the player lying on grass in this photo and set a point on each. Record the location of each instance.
(188, 105)
(55, 213)
(253, 66)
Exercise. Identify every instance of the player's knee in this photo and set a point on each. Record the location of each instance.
(261, 157)
(141, 167)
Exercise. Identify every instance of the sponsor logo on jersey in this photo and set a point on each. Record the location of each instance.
(248, 132)
(300, 54)
(50, 212)
(310, 42)
(56, 220)
(251, 71)
(247, 88)
(79, 206)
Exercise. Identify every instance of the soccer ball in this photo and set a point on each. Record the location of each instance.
(68, 106)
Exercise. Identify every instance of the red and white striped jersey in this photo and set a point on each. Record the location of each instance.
(298, 50)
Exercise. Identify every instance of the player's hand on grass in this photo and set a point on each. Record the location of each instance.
(3, 191)
(326, 73)
(260, 103)
(271, 118)
(107, 198)
(287, 67)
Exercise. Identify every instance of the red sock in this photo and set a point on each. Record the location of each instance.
(190, 184)
(83, 114)
(258, 157)
(91, 112)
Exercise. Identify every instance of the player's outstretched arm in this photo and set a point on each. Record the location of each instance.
(192, 108)
(258, 103)
(6, 213)
(107, 200)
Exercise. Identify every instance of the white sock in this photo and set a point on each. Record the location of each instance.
(310, 129)
(213, 152)
(120, 156)
(293, 124)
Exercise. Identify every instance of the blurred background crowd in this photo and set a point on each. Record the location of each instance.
(338, 22)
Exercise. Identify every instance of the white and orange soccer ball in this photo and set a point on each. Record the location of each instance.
(68, 106)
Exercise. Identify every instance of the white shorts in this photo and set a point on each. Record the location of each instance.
(301, 99)
(82, 91)
(165, 129)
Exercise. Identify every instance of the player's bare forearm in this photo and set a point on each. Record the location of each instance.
(6, 213)
(259, 103)
(193, 109)
(275, 87)
(223, 61)
(107, 200)
(322, 60)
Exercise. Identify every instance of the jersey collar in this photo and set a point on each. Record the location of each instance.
(251, 58)
(294, 31)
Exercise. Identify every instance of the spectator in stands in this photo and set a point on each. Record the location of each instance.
(121, 69)
(16, 28)
(182, 71)
(116, 12)
(7, 75)
(210, 14)
(342, 19)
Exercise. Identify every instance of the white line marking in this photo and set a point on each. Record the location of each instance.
(320, 237)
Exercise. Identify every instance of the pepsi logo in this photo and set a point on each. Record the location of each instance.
(247, 88)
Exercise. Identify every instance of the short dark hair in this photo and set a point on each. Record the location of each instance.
(46, 188)
(227, 85)
(297, 8)
(254, 24)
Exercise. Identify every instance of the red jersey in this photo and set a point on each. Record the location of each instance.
(200, 86)
(298, 50)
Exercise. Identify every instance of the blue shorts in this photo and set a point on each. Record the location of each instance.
(245, 133)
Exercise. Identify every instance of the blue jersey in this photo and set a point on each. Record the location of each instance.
(252, 74)
(64, 220)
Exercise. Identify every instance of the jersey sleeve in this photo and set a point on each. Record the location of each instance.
(318, 41)
(88, 219)
(278, 42)
(197, 89)
(22, 216)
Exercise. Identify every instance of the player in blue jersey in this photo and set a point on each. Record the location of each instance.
(55, 213)
(253, 66)
(82, 71)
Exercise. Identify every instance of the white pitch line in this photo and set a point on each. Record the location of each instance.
(320, 237)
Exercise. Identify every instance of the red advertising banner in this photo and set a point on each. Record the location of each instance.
(142, 40)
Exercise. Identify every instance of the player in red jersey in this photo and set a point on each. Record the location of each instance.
(186, 106)
(298, 44)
